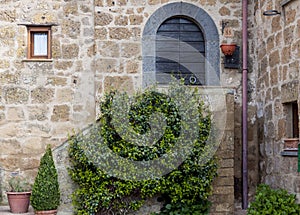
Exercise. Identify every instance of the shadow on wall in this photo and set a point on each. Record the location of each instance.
(67, 186)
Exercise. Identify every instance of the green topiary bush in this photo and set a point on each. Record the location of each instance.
(273, 202)
(45, 192)
(187, 187)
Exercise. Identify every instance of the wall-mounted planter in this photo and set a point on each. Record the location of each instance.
(231, 55)
(291, 144)
(228, 49)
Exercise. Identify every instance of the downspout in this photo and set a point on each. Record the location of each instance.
(244, 106)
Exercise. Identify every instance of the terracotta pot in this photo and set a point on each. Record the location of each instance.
(18, 201)
(291, 143)
(49, 212)
(228, 49)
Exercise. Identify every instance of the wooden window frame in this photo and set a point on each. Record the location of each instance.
(31, 30)
(292, 119)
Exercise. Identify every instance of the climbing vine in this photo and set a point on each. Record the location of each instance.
(185, 190)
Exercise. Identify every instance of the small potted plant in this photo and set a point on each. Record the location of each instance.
(45, 197)
(18, 194)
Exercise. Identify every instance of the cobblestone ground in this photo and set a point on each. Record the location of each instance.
(4, 210)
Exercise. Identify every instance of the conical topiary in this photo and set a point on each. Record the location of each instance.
(45, 192)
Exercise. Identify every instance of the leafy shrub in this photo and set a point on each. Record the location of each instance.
(188, 186)
(45, 192)
(18, 184)
(275, 202)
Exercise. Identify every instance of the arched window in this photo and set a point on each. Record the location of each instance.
(181, 39)
(180, 52)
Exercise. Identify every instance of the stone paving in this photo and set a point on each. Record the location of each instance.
(4, 210)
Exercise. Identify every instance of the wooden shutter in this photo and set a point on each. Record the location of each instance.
(180, 51)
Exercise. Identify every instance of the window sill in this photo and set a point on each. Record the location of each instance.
(289, 153)
(37, 60)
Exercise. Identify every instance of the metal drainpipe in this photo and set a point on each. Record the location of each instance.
(244, 106)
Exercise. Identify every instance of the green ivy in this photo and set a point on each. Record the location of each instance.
(275, 202)
(186, 188)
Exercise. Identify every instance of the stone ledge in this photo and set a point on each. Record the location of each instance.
(289, 153)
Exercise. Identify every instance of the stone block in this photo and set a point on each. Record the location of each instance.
(120, 33)
(32, 145)
(10, 147)
(70, 51)
(16, 95)
(224, 181)
(60, 113)
(64, 95)
(285, 55)
(121, 20)
(56, 49)
(130, 50)
(108, 49)
(15, 114)
(224, 190)
(274, 59)
(224, 11)
(99, 3)
(30, 162)
(61, 130)
(132, 67)
(57, 81)
(290, 91)
(85, 8)
(226, 172)
(38, 112)
(107, 66)
(103, 19)
(4, 64)
(8, 15)
(153, 2)
(288, 34)
(9, 162)
(120, 83)
(42, 95)
(136, 19)
(226, 163)
(70, 8)
(101, 33)
(38, 129)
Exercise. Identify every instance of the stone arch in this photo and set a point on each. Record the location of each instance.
(208, 27)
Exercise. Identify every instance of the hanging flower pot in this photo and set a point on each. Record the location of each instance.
(228, 49)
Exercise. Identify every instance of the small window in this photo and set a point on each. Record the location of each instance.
(292, 120)
(39, 42)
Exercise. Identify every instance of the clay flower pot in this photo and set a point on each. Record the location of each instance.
(18, 201)
(291, 144)
(228, 49)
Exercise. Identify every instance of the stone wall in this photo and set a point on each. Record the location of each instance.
(42, 102)
(96, 47)
(275, 52)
